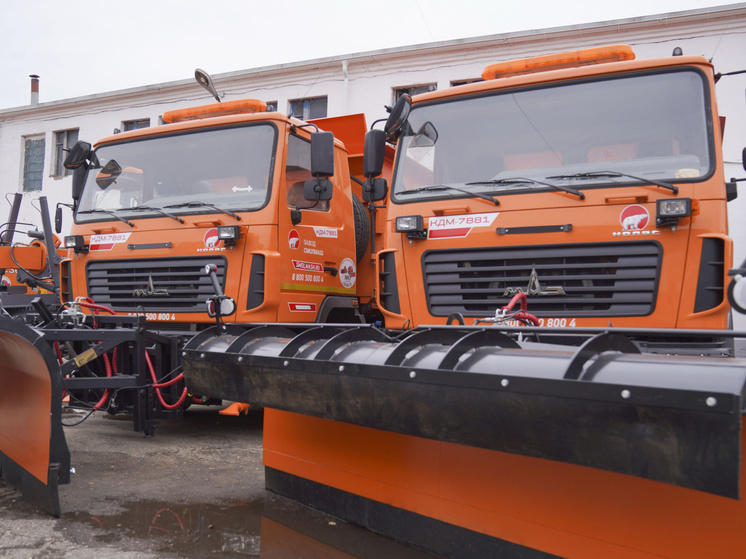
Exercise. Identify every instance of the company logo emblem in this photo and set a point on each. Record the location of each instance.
(534, 289)
(211, 238)
(634, 218)
(150, 290)
(293, 239)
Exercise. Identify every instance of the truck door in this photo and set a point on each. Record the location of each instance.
(314, 263)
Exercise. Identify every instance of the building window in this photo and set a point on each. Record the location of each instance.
(455, 83)
(308, 108)
(33, 164)
(135, 124)
(413, 90)
(271, 106)
(63, 141)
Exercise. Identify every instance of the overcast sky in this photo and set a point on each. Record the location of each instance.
(80, 48)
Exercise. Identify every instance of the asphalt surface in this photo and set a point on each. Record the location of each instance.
(195, 489)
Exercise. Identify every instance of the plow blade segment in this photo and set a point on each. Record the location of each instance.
(34, 456)
(674, 420)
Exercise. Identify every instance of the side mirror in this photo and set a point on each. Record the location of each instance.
(58, 219)
(322, 154)
(78, 155)
(398, 117)
(374, 150)
(743, 158)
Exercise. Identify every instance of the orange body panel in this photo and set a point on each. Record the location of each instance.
(558, 508)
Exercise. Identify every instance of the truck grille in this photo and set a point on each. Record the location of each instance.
(605, 279)
(153, 285)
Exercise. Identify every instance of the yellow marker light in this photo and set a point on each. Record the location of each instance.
(571, 59)
(240, 106)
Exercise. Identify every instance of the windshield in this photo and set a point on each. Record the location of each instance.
(195, 172)
(651, 127)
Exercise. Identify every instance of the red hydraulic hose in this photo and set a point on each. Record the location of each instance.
(523, 314)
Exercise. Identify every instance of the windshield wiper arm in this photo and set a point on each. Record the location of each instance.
(196, 204)
(110, 212)
(519, 180)
(611, 174)
(159, 210)
(437, 187)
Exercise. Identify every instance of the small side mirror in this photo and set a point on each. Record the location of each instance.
(317, 189)
(374, 150)
(77, 155)
(58, 219)
(322, 154)
(743, 158)
(375, 189)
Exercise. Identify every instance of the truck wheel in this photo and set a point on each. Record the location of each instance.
(362, 227)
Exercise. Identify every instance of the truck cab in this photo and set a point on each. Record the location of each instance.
(589, 181)
(222, 193)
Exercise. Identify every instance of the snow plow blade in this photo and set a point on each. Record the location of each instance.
(34, 457)
(675, 420)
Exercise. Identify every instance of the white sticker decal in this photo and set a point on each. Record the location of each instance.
(107, 241)
(347, 273)
(451, 226)
(325, 232)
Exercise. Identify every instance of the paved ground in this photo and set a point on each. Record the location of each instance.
(196, 489)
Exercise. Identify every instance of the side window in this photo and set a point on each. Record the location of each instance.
(33, 163)
(135, 124)
(297, 172)
(308, 108)
(63, 141)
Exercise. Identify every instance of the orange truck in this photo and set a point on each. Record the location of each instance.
(589, 181)
(219, 186)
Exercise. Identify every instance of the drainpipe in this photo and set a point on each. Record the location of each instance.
(34, 89)
(346, 86)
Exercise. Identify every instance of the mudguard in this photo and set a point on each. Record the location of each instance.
(34, 457)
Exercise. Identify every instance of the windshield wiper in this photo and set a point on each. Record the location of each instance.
(437, 187)
(110, 212)
(159, 210)
(196, 204)
(519, 180)
(611, 174)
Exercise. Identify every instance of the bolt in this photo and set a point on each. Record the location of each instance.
(72, 470)
(341, 368)
(240, 358)
(412, 374)
(201, 355)
(183, 353)
(711, 401)
(285, 363)
(626, 394)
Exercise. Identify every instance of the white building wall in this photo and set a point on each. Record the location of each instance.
(364, 83)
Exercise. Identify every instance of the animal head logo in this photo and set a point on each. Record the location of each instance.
(211, 238)
(634, 218)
